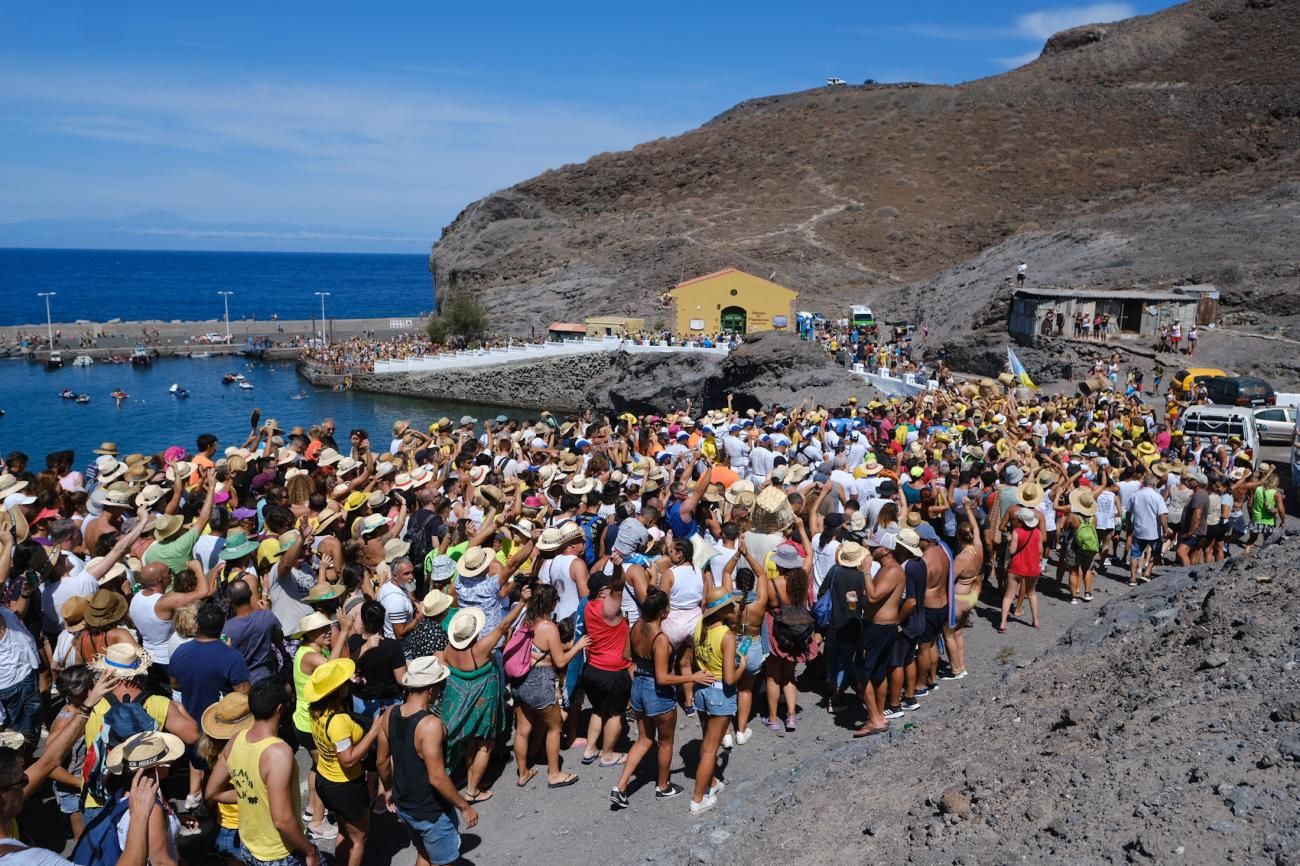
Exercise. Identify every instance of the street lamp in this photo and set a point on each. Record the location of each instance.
(49, 324)
(226, 299)
(322, 296)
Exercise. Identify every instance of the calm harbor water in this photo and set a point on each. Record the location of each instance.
(38, 421)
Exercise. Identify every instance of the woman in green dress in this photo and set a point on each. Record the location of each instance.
(473, 707)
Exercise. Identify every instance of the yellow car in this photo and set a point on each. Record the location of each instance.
(1184, 380)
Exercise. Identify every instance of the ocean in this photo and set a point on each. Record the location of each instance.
(131, 285)
(37, 420)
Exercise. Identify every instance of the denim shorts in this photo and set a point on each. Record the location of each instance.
(753, 652)
(718, 699)
(439, 838)
(651, 699)
(228, 841)
(69, 804)
(294, 858)
(1144, 544)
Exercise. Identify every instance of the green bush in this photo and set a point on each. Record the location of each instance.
(462, 315)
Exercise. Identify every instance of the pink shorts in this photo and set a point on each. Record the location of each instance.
(679, 625)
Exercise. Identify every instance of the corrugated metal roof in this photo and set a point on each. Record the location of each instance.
(1105, 295)
(567, 327)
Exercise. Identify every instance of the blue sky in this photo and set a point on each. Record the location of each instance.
(392, 116)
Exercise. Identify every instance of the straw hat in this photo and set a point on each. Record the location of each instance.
(400, 427)
(1160, 469)
(465, 626)
(150, 496)
(108, 469)
(1029, 494)
(15, 520)
(478, 474)
(523, 527)
(137, 473)
(328, 678)
(322, 592)
(73, 613)
(167, 526)
(474, 561)
(395, 547)
(570, 462)
(580, 485)
(124, 661)
(144, 750)
(9, 484)
(489, 495)
(772, 511)
(435, 603)
(1082, 502)
(227, 717)
(717, 601)
(116, 572)
(424, 672)
(179, 472)
(376, 499)
(346, 465)
(737, 489)
(907, 538)
(850, 554)
(107, 448)
(105, 607)
(557, 537)
(314, 621)
(714, 492)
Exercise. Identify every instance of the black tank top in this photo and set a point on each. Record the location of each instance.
(412, 793)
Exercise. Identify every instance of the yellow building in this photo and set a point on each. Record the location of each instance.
(614, 326)
(732, 301)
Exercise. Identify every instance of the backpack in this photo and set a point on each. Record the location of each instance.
(123, 719)
(422, 534)
(98, 845)
(821, 609)
(1085, 537)
(518, 653)
(592, 528)
(793, 629)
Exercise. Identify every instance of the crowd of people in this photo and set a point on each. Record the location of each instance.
(398, 610)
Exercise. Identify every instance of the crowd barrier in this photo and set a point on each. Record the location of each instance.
(531, 351)
(910, 385)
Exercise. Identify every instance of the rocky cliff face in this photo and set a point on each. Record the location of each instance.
(1100, 155)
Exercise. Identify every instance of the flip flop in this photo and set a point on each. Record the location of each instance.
(869, 732)
(480, 797)
(617, 762)
(566, 783)
(590, 759)
(524, 780)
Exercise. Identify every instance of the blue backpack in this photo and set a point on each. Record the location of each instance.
(821, 609)
(98, 845)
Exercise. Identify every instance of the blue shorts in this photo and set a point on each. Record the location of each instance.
(439, 838)
(1143, 544)
(716, 700)
(751, 649)
(650, 699)
(228, 841)
(294, 858)
(69, 803)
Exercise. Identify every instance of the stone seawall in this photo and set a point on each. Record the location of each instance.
(562, 384)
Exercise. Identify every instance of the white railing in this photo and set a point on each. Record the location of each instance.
(909, 385)
(535, 351)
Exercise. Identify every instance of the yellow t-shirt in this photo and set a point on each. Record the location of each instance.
(155, 705)
(334, 732)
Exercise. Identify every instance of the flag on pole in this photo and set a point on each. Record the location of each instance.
(1018, 370)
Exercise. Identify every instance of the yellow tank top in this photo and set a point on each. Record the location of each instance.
(708, 647)
(228, 813)
(256, 829)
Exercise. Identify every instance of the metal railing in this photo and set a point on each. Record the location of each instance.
(532, 351)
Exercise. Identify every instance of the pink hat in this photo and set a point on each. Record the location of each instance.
(532, 502)
(174, 453)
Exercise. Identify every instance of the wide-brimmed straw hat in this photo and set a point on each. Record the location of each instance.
(465, 627)
(435, 603)
(314, 621)
(14, 519)
(580, 485)
(328, 678)
(125, 661)
(107, 448)
(144, 750)
(556, 537)
(424, 672)
(116, 571)
(73, 613)
(1029, 494)
(395, 547)
(474, 561)
(105, 608)
(718, 601)
(850, 554)
(167, 526)
(322, 592)
(227, 717)
(1082, 502)
(908, 538)
(10, 484)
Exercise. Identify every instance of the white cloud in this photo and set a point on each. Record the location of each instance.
(1046, 22)
(1017, 60)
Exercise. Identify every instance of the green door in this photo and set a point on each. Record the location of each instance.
(733, 320)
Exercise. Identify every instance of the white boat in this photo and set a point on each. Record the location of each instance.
(83, 361)
(201, 355)
(247, 386)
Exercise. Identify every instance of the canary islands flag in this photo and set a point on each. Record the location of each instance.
(1018, 370)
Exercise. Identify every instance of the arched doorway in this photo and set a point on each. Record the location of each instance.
(734, 320)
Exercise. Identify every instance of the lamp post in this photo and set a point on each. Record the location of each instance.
(225, 297)
(49, 323)
(322, 296)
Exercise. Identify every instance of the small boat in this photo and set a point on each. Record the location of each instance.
(119, 394)
(141, 357)
(228, 379)
(68, 394)
(201, 355)
(83, 361)
(83, 398)
(246, 385)
(54, 361)
(178, 392)
(298, 395)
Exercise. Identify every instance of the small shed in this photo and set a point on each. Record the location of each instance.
(733, 302)
(1207, 310)
(559, 332)
(614, 326)
(1132, 312)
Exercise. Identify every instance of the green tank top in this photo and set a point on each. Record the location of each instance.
(1263, 507)
(301, 709)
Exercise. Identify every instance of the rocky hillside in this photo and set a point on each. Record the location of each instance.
(1158, 150)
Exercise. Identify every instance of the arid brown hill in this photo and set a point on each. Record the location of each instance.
(1156, 150)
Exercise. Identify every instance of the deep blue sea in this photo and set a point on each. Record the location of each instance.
(98, 285)
(37, 421)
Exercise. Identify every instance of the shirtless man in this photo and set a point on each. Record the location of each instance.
(938, 565)
(969, 566)
(881, 614)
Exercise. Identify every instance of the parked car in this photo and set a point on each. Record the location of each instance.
(1239, 391)
(1276, 424)
(1222, 421)
(1185, 379)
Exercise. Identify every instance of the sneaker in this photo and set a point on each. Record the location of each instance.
(1087, 596)
(774, 726)
(673, 790)
(1074, 600)
(960, 676)
(921, 692)
(324, 833)
(704, 805)
(950, 675)
(618, 798)
(893, 712)
(691, 711)
(790, 724)
(728, 741)
(718, 787)
(910, 704)
(932, 687)
(742, 737)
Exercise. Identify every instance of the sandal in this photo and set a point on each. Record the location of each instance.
(590, 759)
(563, 784)
(525, 779)
(617, 762)
(790, 724)
(774, 726)
(480, 797)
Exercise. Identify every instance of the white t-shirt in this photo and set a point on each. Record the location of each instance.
(77, 582)
(823, 561)
(30, 856)
(1145, 510)
(18, 656)
(397, 606)
(1106, 509)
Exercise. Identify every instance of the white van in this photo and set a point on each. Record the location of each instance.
(1222, 421)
